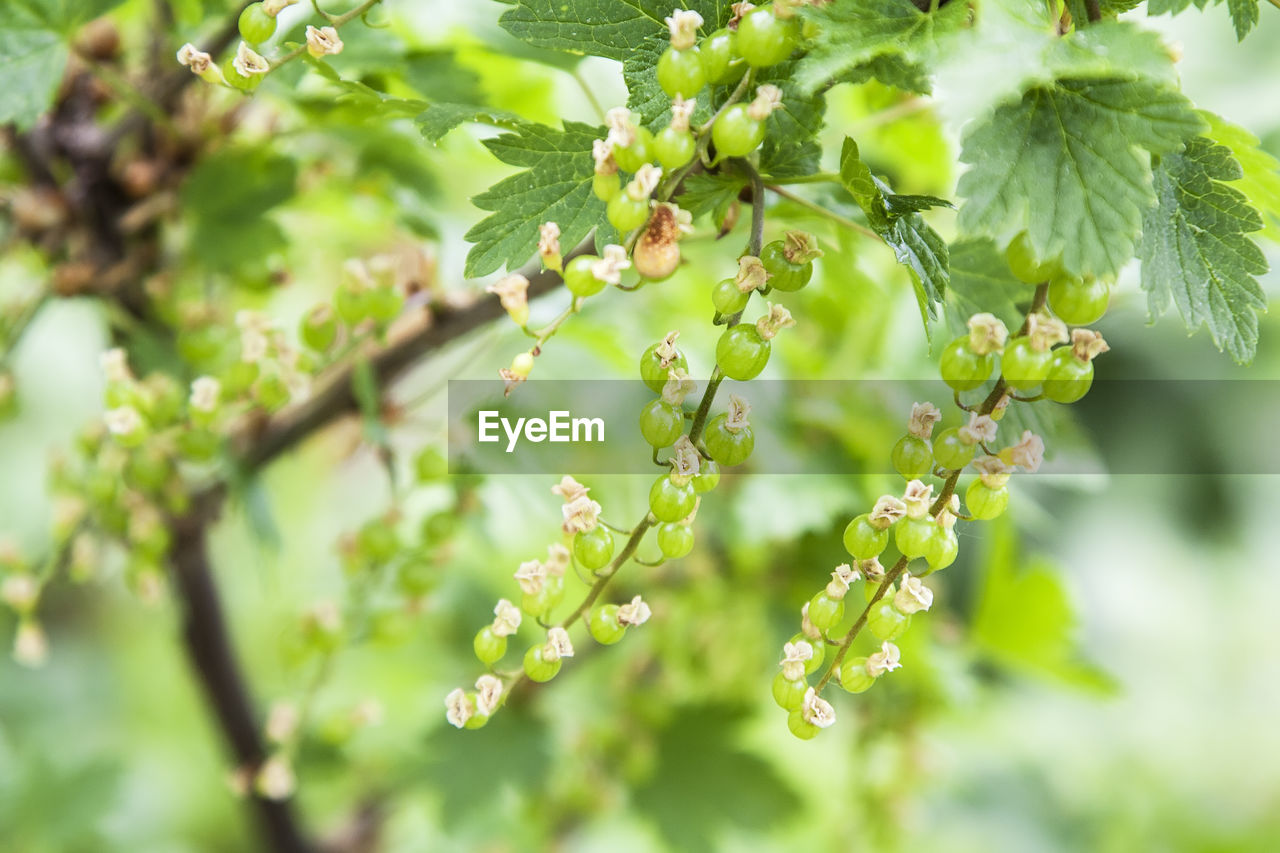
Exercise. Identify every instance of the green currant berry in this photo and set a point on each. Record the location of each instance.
(238, 378)
(728, 447)
(680, 72)
(943, 549)
(625, 213)
(652, 371)
(863, 540)
(271, 392)
(912, 535)
(635, 155)
(854, 676)
(800, 727)
(476, 720)
(727, 298)
(735, 133)
(256, 26)
(952, 453)
(1069, 378)
(985, 503)
(819, 652)
(707, 478)
(579, 278)
(825, 612)
(438, 527)
(718, 52)
(604, 626)
(764, 39)
(789, 694)
(540, 604)
(1079, 302)
(1024, 366)
(741, 352)
(606, 187)
(430, 465)
(537, 667)
(885, 623)
(675, 539)
(378, 541)
(198, 445)
(674, 148)
(489, 646)
(237, 80)
(671, 502)
(962, 368)
(593, 549)
(1025, 265)
(912, 457)
(661, 423)
(385, 304)
(352, 304)
(783, 274)
(319, 328)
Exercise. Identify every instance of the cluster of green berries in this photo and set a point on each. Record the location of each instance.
(257, 25)
(542, 586)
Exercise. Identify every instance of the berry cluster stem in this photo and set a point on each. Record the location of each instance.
(890, 579)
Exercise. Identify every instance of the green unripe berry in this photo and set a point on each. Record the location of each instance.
(669, 501)
(1025, 265)
(707, 478)
(819, 653)
(728, 447)
(430, 465)
(1079, 302)
(385, 303)
(604, 626)
(720, 61)
(825, 612)
(256, 26)
(863, 540)
(742, 352)
(985, 503)
(952, 453)
(593, 549)
(789, 694)
(800, 727)
(962, 368)
(912, 457)
(635, 155)
(537, 667)
(625, 213)
(319, 328)
(352, 303)
(680, 72)
(653, 372)
(764, 39)
(1024, 366)
(783, 274)
(605, 187)
(735, 133)
(661, 423)
(489, 647)
(1069, 378)
(854, 676)
(578, 277)
(270, 392)
(675, 540)
(912, 536)
(942, 549)
(727, 298)
(674, 148)
(886, 623)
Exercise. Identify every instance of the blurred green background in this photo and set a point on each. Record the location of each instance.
(1100, 671)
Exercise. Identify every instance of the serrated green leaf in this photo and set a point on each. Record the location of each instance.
(915, 244)
(1069, 165)
(1244, 16)
(704, 193)
(228, 197)
(1195, 252)
(362, 93)
(853, 32)
(609, 28)
(556, 187)
(891, 70)
(1261, 179)
(31, 63)
(790, 144)
(981, 281)
(438, 119)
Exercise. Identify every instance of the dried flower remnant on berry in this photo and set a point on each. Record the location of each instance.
(751, 274)
(888, 509)
(531, 576)
(842, 578)
(912, 596)
(816, 710)
(622, 129)
(916, 498)
(1086, 344)
(488, 694)
(558, 645)
(513, 294)
(806, 624)
(681, 113)
(987, 334)
(275, 779)
(683, 26)
(557, 559)
(635, 612)
(200, 63)
(205, 393)
(678, 386)
(886, 660)
(569, 489)
(794, 657)
(736, 419)
(979, 430)
(1027, 454)
(580, 515)
(613, 261)
(776, 320)
(768, 98)
(323, 41)
(602, 153)
(249, 63)
(549, 245)
(923, 417)
(872, 570)
(1044, 331)
(992, 471)
(800, 247)
(458, 707)
(645, 182)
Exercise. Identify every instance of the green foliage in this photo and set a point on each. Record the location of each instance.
(556, 187)
(229, 196)
(33, 53)
(897, 220)
(609, 28)
(1066, 163)
(438, 119)
(1195, 250)
(790, 144)
(981, 281)
(1260, 172)
(704, 783)
(1244, 13)
(854, 33)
